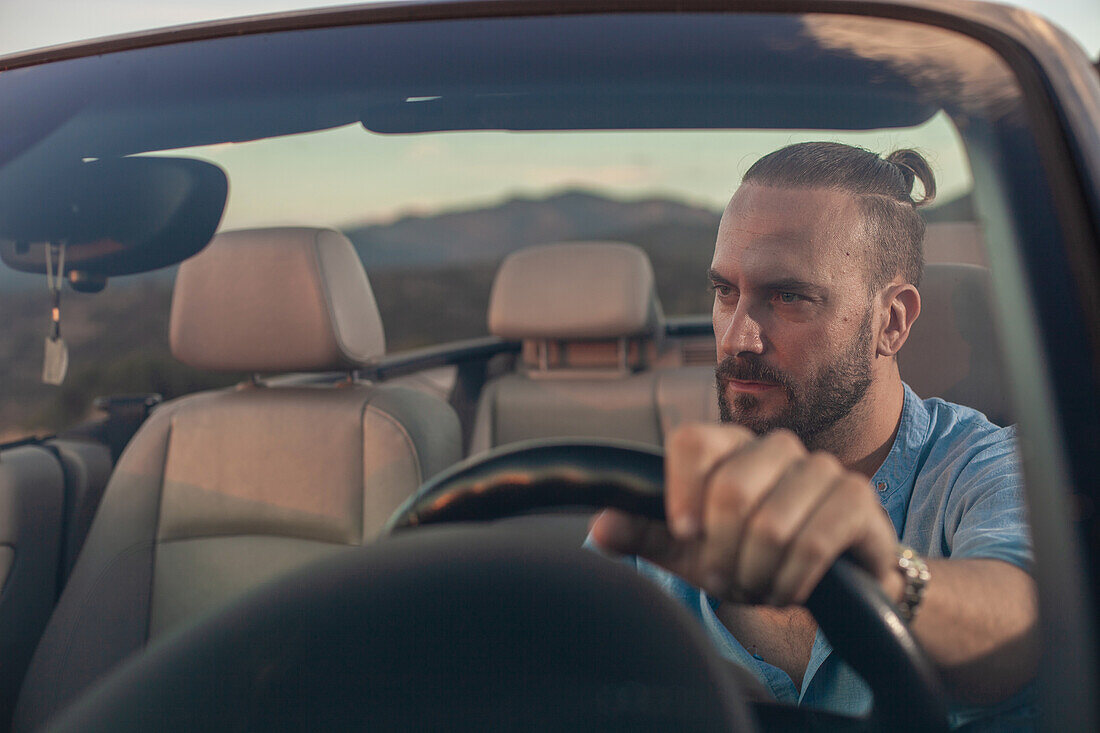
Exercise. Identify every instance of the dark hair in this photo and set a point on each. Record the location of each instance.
(883, 187)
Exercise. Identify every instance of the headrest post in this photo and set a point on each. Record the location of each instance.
(624, 350)
(543, 347)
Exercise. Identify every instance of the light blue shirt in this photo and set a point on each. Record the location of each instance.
(953, 487)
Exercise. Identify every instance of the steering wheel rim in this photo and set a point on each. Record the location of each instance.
(862, 625)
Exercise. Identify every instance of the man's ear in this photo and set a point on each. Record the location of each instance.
(901, 305)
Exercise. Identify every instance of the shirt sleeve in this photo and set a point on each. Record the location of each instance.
(986, 514)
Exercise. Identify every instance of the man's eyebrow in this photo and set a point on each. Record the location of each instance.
(793, 284)
(714, 277)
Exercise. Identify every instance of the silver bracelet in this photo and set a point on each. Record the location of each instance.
(915, 571)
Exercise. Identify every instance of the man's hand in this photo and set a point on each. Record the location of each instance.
(760, 520)
(756, 520)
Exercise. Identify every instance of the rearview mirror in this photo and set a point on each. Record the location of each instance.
(115, 217)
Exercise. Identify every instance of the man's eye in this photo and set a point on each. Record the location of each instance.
(789, 297)
(723, 291)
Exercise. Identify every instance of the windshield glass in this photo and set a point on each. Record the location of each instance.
(401, 155)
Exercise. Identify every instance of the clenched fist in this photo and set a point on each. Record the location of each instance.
(756, 519)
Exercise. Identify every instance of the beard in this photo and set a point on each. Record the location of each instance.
(813, 407)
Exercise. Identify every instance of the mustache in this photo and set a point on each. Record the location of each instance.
(749, 369)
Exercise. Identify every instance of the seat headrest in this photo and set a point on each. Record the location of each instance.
(578, 290)
(957, 242)
(274, 300)
(953, 351)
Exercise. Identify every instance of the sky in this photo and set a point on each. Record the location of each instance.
(319, 177)
(26, 24)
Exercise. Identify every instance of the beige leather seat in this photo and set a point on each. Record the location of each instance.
(32, 499)
(220, 491)
(954, 242)
(47, 491)
(953, 351)
(591, 327)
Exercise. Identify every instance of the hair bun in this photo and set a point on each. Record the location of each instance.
(914, 167)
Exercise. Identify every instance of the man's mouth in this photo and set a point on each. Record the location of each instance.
(750, 386)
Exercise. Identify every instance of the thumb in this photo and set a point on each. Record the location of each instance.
(627, 534)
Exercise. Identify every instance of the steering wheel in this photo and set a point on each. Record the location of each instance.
(853, 613)
(489, 630)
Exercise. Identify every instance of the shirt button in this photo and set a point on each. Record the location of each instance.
(882, 486)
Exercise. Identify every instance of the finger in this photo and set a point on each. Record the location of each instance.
(627, 534)
(734, 492)
(692, 453)
(849, 517)
(771, 529)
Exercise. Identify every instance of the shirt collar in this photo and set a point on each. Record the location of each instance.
(894, 478)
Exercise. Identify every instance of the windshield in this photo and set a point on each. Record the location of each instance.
(342, 128)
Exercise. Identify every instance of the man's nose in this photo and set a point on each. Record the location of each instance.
(740, 334)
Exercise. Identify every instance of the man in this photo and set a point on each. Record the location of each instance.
(826, 450)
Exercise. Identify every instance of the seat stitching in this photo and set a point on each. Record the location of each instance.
(405, 434)
(658, 408)
(156, 525)
(326, 296)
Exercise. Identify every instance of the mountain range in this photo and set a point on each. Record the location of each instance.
(488, 234)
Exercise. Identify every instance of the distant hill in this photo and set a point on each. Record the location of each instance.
(417, 263)
(488, 234)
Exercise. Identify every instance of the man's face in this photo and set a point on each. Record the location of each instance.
(792, 310)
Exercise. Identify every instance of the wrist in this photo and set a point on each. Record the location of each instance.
(893, 585)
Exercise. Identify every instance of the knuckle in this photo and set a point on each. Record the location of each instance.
(769, 531)
(727, 489)
(687, 439)
(738, 434)
(692, 440)
(812, 549)
(786, 441)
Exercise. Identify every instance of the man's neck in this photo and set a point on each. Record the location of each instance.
(863, 439)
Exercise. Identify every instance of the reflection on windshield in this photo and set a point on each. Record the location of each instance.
(959, 73)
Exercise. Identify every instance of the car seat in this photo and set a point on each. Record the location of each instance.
(592, 331)
(219, 491)
(953, 351)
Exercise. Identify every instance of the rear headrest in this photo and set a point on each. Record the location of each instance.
(953, 351)
(956, 242)
(274, 300)
(579, 290)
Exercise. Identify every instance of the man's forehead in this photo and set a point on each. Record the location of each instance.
(792, 208)
(799, 229)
